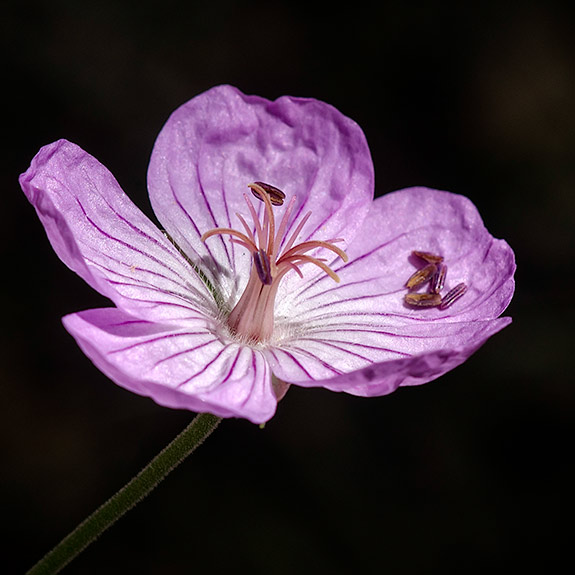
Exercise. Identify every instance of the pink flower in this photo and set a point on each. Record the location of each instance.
(239, 297)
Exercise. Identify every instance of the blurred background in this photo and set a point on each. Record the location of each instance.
(470, 473)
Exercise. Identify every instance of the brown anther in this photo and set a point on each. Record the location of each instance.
(453, 295)
(438, 279)
(421, 276)
(275, 195)
(428, 257)
(423, 299)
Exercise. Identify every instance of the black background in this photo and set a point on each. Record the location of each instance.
(470, 474)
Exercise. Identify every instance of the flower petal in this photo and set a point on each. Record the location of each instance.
(342, 336)
(373, 280)
(186, 368)
(99, 233)
(372, 363)
(215, 145)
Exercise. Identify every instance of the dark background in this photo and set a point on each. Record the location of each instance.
(470, 474)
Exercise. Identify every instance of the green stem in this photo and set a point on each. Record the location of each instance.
(131, 494)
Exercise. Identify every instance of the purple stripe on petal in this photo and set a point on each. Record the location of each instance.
(191, 222)
(230, 371)
(254, 379)
(309, 355)
(229, 222)
(414, 318)
(355, 344)
(206, 366)
(141, 286)
(165, 247)
(180, 282)
(210, 211)
(333, 345)
(293, 359)
(335, 287)
(127, 245)
(184, 352)
(159, 338)
(136, 282)
(376, 331)
(352, 299)
(157, 303)
(129, 322)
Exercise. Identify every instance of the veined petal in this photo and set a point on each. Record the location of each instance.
(341, 336)
(101, 235)
(177, 367)
(373, 280)
(371, 362)
(220, 141)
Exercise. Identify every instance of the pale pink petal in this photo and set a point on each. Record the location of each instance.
(215, 145)
(184, 367)
(373, 281)
(333, 329)
(371, 362)
(99, 233)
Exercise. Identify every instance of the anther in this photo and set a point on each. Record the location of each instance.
(275, 195)
(428, 257)
(263, 266)
(423, 299)
(421, 276)
(438, 279)
(453, 295)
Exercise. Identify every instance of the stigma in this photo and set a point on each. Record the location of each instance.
(274, 254)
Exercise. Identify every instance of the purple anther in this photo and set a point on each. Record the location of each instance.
(423, 299)
(438, 279)
(421, 276)
(428, 257)
(453, 295)
(262, 264)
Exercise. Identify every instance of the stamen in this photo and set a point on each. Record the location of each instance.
(438, 279)
(294, 268)
(307, 246)
(453, 295)
(283, 225)
(269, 220)
(423, 299)
(249, 232)
(275, 195)
(256, 220)
(296, 233)
(252, 317)
(243, 239)
(421, 276)
(312, 260)
(435, 272)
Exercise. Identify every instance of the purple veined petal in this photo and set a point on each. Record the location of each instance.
(212, 147)
(100, 234)
(372, 284)
(362, 368)
(327, 332)
(184, 368)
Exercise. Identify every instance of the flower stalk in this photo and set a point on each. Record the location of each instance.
(131, 494)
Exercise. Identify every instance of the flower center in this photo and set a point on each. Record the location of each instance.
(273, 256)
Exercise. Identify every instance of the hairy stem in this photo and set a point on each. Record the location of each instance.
(131, 494)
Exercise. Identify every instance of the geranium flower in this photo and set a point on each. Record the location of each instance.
(238, 297)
